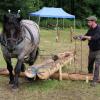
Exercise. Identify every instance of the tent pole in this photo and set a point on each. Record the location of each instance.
(74, 25)
(57, 38)
(63, 23)
(39, 21)
(29, 17)
(46, 23)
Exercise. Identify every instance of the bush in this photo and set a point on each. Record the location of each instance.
(51, 23)
(78, 24)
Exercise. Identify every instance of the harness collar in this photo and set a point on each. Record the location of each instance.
(5, 44)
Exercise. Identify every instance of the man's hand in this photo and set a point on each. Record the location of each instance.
(82, 37)
(78, 37)
(86, 37)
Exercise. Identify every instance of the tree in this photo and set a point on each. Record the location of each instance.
(80, 8)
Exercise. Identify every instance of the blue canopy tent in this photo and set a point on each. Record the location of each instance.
(52, 12)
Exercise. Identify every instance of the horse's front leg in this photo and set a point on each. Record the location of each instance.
(10, 69)
(17, 72)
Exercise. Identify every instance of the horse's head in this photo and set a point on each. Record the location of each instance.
(11, 29)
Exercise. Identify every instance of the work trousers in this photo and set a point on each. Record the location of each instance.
(94, 59)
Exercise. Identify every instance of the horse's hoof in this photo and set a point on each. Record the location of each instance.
(11, 82)
(15, 87)
(23, 69)
(29, 79)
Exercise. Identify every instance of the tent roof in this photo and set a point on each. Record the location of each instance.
(52, 12)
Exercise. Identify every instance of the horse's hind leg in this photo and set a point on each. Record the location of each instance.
(10, 69)
(33, 56)
(32, 59)
(23, 68)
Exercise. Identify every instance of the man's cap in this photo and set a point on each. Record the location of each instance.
(92, 18)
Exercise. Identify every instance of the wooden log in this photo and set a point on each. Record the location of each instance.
(73, 76)
(62, 55)
(4, 72)
(65, 76)
(50, 66)
(46, 72)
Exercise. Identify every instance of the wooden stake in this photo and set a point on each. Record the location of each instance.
(60, 72)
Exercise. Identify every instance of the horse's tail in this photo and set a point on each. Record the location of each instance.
(33, 56)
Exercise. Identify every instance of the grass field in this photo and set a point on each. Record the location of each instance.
(53, 89)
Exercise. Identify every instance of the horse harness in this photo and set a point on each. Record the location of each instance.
(4, 40)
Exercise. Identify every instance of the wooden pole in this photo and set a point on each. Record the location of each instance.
(57, 30)
(81, 57)
(74, 25)
(75, 52)
(73, 76)
(71, 34)
(60, 72)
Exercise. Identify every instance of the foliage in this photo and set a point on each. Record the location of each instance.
(80, 8)
(25, 6)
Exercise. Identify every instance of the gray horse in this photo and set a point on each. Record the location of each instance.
(19, 39)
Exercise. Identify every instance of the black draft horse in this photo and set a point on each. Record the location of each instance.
(19, 39)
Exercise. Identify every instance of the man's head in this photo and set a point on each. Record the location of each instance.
(91, 21)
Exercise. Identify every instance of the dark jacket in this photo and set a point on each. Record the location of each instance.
(94, 43)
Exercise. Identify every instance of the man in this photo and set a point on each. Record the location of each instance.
(93, 37)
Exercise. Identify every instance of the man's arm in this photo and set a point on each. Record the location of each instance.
(86, 37)
(83, 37)
(94, 37)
